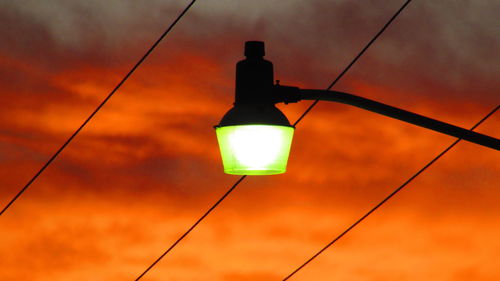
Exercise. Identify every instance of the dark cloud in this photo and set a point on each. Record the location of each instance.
(147, 166)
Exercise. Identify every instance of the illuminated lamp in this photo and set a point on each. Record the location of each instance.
(254, 136)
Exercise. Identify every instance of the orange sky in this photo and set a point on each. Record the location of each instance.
(148, 165)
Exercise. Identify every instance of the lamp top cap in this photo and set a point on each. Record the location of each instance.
(254, 49)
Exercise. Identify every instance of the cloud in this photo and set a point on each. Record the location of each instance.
(148, 166)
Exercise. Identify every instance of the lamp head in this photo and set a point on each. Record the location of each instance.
(254, 136)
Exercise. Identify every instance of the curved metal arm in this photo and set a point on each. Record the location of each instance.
(293, 94)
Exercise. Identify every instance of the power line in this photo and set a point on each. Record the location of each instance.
(302, 116)
(98, 108)
(193, 226)
(355, 59)
(387, 198)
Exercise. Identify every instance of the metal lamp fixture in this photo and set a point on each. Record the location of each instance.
(255, 137)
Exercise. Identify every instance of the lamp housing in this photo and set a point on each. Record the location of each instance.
(254, 136)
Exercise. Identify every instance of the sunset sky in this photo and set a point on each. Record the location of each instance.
(148, 165)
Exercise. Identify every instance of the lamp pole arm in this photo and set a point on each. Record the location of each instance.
(294, 94)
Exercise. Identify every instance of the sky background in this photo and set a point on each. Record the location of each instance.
(147, 166)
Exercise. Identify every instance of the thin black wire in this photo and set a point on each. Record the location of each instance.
(355, 59)
(97, 109)
(387, 198)
(303, 115)
(193, 226)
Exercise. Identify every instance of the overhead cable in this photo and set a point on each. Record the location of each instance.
(386, 198)
(65, 144)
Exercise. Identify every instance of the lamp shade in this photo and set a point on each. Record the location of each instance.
(254, 149)
(254, 136)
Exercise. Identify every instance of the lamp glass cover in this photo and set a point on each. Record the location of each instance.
(254, 149)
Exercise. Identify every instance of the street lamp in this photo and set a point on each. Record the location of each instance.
(255, 137)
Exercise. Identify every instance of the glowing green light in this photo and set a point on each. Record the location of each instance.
(254, 149)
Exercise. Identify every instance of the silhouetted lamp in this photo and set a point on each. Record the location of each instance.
(255, 137)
